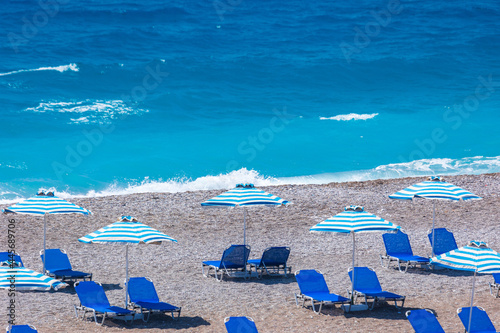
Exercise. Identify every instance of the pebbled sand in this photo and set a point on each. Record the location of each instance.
(203, 234)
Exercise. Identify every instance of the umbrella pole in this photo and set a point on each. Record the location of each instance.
(433, 223)
(126, 275)
(44, 239)
(244, 226)
(472, 300)
(353, 270)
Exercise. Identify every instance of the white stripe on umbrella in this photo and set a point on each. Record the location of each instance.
(44, 204)
(435, 188)
(26, 279)
(476, 257)
(126, 231)
(354, 220)
(245, 195)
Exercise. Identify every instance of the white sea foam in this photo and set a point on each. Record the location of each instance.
(96, 111)
(350, 116)
(62, 68)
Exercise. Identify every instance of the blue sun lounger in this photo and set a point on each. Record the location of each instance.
(143, 295)
(22, 329)
(240, 325)
(93, 298)
(367, 285)
(58, 266)
(480, 323)
(313, 286)
(445, 241)
(7, 259)
(398, 248)
(233, 263)
(424, 321)
(273, 260)
(495, 286)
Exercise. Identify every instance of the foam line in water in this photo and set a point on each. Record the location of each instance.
(62, 68)
(350, 116)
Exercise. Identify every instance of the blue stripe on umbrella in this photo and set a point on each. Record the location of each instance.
(434, 188)
(26, 279)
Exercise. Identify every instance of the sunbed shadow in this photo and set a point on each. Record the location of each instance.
(381, 311)
(446, 272)
(267, 280)
(161, 321)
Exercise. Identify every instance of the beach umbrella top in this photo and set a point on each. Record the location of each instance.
(127, 230)
(245, 195)
(354, 219)
(46, 203)
(26, 279)
(434, 188)
(476, 256)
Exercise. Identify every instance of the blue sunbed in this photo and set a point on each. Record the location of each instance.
(445, 241)
(480, 322)
(58, 266)
(495, 286)
(233, 262)
(398, 248)
(22, 329)
(240, 325)
(274, 260)
(424, 321)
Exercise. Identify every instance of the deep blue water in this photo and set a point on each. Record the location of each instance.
(112, 96)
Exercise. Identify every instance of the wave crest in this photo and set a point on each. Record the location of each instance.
(60, 69)
(350, 116)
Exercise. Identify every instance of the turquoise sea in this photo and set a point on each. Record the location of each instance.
(103, 97)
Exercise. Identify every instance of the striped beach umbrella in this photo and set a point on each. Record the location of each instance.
(14, 276)
(435, 188)
(45, 204)
(245, 195)
(354, 219)
(128, 230)
(476, 257)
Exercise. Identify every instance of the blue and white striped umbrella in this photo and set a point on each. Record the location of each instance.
(435, 188)
(476, 257)
(245, 195)
(126, 231)
(353, 220)
(45, 204)
(14, 274)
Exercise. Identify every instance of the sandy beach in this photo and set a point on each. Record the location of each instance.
(204, 233)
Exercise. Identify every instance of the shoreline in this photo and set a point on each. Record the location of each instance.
(204, 233)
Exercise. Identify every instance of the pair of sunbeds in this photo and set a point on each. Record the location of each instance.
(313, 287)
(398, 248)
(424, 321)
(142, 294)
(235, 263)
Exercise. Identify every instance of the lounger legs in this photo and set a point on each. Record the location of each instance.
(493, 287)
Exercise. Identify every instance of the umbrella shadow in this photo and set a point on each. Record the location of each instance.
(382, 310)
(445, 272)
(111, 286)
(161, 321)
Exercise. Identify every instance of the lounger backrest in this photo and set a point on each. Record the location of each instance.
(22, 329)
(424, 321)
(56, 260)
(236, 256)
(365, 279)
(274, 256)
(5, 258)
(240, 325)
(445, 241)
(311, 281)
(397, 243)
(91, 293)
(141, 289)
(481, 322)
(496, 277)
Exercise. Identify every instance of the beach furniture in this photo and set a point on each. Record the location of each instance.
(21, 329)
(445, 241)
(367, 285)
(233, 263)
(58, 266)
(398, 248)
(495, 286)
(143, 295)
(480, 322)
(273, 261)
(6, 259)
(240, 325)
(313, 287)
(93, 299)
(424, 321)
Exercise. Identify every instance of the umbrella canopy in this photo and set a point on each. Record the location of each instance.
(245, 195)
(126, 231)
(476, 257)
(435, 188)
(44, 204)
(14, 274)
(352, 220)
